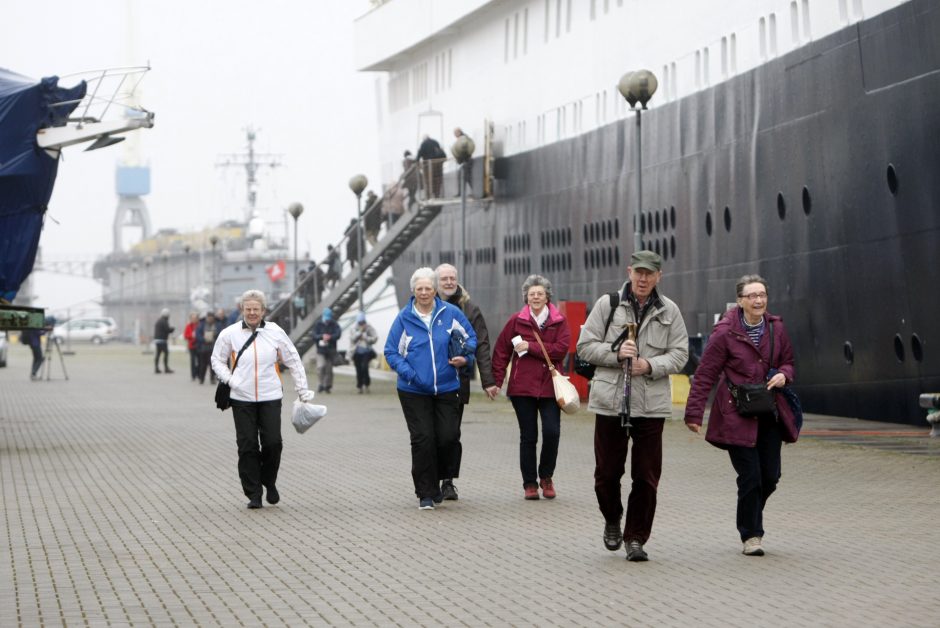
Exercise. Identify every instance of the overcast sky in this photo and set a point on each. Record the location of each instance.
(285, 68)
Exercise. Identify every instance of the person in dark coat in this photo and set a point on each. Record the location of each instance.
(468, 162)
(334, 265)
(207, 332)
(433, 156)
(739, 352)
(530, 388)
(372, 217)
(452, 292)
(161, 337)
(410, 177)
(326, 331)
(352, 243)
(33, 338)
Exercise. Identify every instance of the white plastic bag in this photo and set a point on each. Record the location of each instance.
(305, 415)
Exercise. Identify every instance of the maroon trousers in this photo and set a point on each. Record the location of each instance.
(646, 463)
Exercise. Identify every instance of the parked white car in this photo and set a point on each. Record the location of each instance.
(94, 330)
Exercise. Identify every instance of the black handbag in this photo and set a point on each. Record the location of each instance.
(752, 400)
(223, 392)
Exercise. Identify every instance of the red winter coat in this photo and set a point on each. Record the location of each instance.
(730, 353)
(530, 375)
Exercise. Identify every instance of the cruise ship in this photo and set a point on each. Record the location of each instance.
(791, 138)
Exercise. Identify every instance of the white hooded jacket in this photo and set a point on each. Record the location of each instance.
(256, 377)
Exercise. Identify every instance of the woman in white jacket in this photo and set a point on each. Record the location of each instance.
(257, 392)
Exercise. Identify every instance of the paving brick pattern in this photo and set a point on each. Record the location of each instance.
(122, 506)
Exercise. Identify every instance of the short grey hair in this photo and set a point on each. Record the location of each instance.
(536, 280)
(424, 273)
(746, 279)
(254, 295)
(444, 266)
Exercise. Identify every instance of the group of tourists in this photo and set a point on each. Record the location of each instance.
(635, 338)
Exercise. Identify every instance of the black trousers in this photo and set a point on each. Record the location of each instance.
(528, 410)
(758, 471)
(258, 435)
(37, 359)
(205, 359)
(361, 360)
(193, 363)
(433, 423)
(162, 348)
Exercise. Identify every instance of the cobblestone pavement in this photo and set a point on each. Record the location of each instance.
(122, 506)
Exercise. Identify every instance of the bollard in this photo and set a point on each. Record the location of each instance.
(931, 401)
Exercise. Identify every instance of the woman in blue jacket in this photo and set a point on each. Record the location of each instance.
(428, 344)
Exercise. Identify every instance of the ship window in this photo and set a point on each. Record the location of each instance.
(724, 57)
(557, 19)
(525, 31)
(734, 54)
(672, 216)
(727, 218)
(917, 349)
(515, 36)
(762, 30)
(665, 219)
(506, 43)
(848, 352)
(593, 9)
(807, 201)
(568, 17)
(708, 223)
(672, 246)
(772, 28)
(657, 222)
(548, 13)
(616, 228)
(781, 206)
(898, 347)
(807, 33)
(794, 23)
(892, 179)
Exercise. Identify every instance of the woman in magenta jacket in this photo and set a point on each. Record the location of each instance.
(530, 383)
(739, 352)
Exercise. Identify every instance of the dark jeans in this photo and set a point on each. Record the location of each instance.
(193, 363)
(610, 455)
(758, 471)
(528, 410)
(161, 347)
(205, 357)
(37, 359)
(257, 423)
(433, 426)
(361, 360)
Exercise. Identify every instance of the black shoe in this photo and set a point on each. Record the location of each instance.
(157, 371)
(273, 496)
(448, 490)
(169, 371)
(254, 502)
(438, 497)
(320, 389)
(613, 537)
(635, 552)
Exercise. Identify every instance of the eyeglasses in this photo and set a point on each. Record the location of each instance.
(753, 296)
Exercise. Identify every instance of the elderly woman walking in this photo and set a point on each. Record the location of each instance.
(430, 340)
(530, 384)
(254, 346)
(747, 346)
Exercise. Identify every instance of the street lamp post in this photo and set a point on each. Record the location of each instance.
(638, 87)
(213, 241)
(463, 151)
(134, 303)
(295, 209)
(186, 290)
(148, 268)
(357, 184)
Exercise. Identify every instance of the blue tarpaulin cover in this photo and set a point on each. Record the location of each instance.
(27, 172)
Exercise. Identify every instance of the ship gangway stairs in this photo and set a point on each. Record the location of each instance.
(344, 294)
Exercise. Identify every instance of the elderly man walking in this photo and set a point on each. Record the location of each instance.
(660, 349)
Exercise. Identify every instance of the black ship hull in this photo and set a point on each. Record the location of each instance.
(818, 170)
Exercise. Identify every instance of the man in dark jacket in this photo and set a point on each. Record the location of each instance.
(161, 336)
(451, 291)
(326, 332)
(433, 155)
(33, 338)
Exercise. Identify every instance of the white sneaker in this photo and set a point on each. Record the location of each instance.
(752, 547)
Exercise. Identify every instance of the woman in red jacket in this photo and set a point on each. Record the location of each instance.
(747, 346)
(530, 382)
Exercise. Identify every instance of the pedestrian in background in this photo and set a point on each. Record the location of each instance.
(257, 392)
(530, 389)
(33, 338)
(161, 336)
(326, 332)
(207, 331)
(428, 343)
(748, 345)
(450, 290)
(661, 348)
(189, 335)
(362, 338)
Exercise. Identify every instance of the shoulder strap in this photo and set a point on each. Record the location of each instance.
(247, 344)
(551, 367)
(771, 325)
(614, 298)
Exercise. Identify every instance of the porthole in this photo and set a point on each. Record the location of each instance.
(727, 218)
(848, 352)
(781, 206)
(807, 201)
(665, 248)
(917, 349)
(672, 216)
(892, 179)
(616, 228)
(649, 222)
(672, 246)
(657, 222)
(665, 219)
(708, 223)
(898, 348)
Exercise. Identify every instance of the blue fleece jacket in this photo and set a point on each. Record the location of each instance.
(419, 355)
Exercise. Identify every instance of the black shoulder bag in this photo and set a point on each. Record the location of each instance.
(752, 400)
(582, 367)
(223, 392)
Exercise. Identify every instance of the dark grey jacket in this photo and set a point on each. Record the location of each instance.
(483, 355)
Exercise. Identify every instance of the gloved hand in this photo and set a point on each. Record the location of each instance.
(305, 395)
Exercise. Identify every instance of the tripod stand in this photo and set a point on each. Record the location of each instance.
(46, 371)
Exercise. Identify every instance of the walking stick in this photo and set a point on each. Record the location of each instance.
(625, 400)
